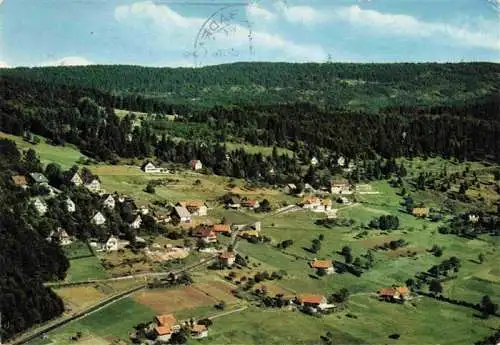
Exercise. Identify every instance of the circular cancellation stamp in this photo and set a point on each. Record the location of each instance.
(226, 34)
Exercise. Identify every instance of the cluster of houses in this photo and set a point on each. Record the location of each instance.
(208, 233)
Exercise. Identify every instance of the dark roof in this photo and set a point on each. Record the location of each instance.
(39, 178)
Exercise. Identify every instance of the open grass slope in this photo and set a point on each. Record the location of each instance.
(66, 156)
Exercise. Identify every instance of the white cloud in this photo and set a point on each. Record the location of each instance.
(259, 13)
(68, 61)
(301, 14)
(175, 30)
(3, 64)
(396, 24)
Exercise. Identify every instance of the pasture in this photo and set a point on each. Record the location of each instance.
(66, 156)
(85, 268)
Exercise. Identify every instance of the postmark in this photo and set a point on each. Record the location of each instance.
(226, 33)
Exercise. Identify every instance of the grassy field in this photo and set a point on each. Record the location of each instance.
(65, 156)
(85, 268)
(76, 249)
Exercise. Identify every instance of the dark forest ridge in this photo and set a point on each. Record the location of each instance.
(343, 85)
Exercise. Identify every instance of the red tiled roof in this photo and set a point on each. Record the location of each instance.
(387, 292)
(250, 203)
(163, 330)
(221, 228)
(321, 264)
(311, 299)
(204, 232)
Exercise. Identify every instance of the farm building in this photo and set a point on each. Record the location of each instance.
(20, 181)
(395, 293)
(250, 203)
(161, 217)
(340, 186)
(166, 325)
(181, 214)
(150, 168)
(195, 164)
(199, 331)
(325, 266)
(226, 258)
(420, 211)
(195, 207)
(315, 303)
(234, 202)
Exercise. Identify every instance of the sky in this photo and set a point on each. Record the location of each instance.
(187, 33)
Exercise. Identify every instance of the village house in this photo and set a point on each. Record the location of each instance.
(143, 210)
(315, 303)
(325, 266)
(290, 188)
(473, 218)
(311, 203)
(40, 205)
(394, 294)
(37, 178)
(109, 201)
(341, 161)
(195, 164)
(199, 331)
(205, 234)
(98, 219)
(249, 203)
(326, 204)
(166, 325)
(314, 161)
(93, 185)
(136, 224)
(222, 229)
(161, 216)
(76, 179)
(61, 235)
(20, 181)
(234, 202)
(340, 186)
(111, 244)
(150, 168)
(70, 205)
(420, 211)
(195, 207)
(181, 214)
(226, 259)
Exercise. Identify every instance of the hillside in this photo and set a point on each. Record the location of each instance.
(339, 85)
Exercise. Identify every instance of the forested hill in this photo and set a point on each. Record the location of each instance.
(339, 85)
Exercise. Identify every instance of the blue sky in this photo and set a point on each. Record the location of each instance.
(170, 33)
